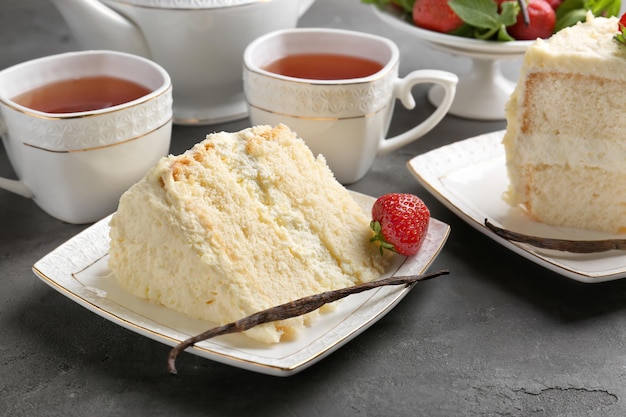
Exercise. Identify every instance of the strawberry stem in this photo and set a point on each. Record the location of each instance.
(619, 37)
(379, 238)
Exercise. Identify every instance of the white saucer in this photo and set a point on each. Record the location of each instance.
(235, 109)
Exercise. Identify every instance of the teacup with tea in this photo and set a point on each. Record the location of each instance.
(337, 89)
(80, 128)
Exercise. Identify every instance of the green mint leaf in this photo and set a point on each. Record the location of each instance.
(570, 19)
(379, 3)
(571, 12)
(619, 36)
(480, 13)
(567, 6)
(603, 7)
(504, 36)
(484, 16)
(464, 30)
(485, 34)
(405, 5)
(508, 15)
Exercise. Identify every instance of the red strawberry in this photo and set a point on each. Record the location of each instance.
(400, 222)
(554, 3)
(542, 20)
(435, 15)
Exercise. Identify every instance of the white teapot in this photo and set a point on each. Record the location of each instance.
(200, 43)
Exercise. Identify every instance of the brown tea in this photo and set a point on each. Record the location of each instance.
(81, 94)
(324, 66)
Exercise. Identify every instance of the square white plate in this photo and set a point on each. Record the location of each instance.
(469, 177)
(78, 269)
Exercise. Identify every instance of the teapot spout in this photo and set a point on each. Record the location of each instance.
(96, 26)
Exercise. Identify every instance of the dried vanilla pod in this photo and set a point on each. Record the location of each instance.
(565, 245)
(292, 309)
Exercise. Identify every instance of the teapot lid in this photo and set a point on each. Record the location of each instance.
(187, 4)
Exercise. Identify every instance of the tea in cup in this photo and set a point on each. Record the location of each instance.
(80, 128)
(337, 90)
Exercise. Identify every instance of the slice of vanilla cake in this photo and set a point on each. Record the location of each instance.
(566, 133)
(240, 223)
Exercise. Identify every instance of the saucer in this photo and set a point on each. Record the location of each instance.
(235, 109)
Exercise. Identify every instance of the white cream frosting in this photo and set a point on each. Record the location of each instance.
(586, 48)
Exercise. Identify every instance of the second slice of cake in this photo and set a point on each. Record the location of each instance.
(566, 131)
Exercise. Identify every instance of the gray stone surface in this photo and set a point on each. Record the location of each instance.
(500, 336)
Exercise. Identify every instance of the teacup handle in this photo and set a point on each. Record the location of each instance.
(402, 91)
(14, 186)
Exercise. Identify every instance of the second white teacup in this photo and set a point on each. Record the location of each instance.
(337, 90)
(75, 152)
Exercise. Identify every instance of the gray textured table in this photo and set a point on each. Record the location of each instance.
(499, 336)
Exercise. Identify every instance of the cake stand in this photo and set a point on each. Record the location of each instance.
(483, 91)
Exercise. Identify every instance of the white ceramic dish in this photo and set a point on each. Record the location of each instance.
(78, 269)
(460, 43)
(470, 176)
(481, 92)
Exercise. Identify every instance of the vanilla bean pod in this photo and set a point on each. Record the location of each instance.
(292, 309)
(564, 245)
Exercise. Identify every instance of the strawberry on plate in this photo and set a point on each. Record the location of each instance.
(400, 222)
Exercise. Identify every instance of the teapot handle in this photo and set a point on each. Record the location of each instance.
(304, 6)
(96, 26)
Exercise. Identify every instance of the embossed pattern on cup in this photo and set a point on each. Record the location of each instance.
(308, 100)
(87, 132)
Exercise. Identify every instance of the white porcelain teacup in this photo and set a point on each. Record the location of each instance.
(75, 165)
(200, 43)
(343, 118)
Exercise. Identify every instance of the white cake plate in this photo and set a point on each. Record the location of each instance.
(483, 91)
